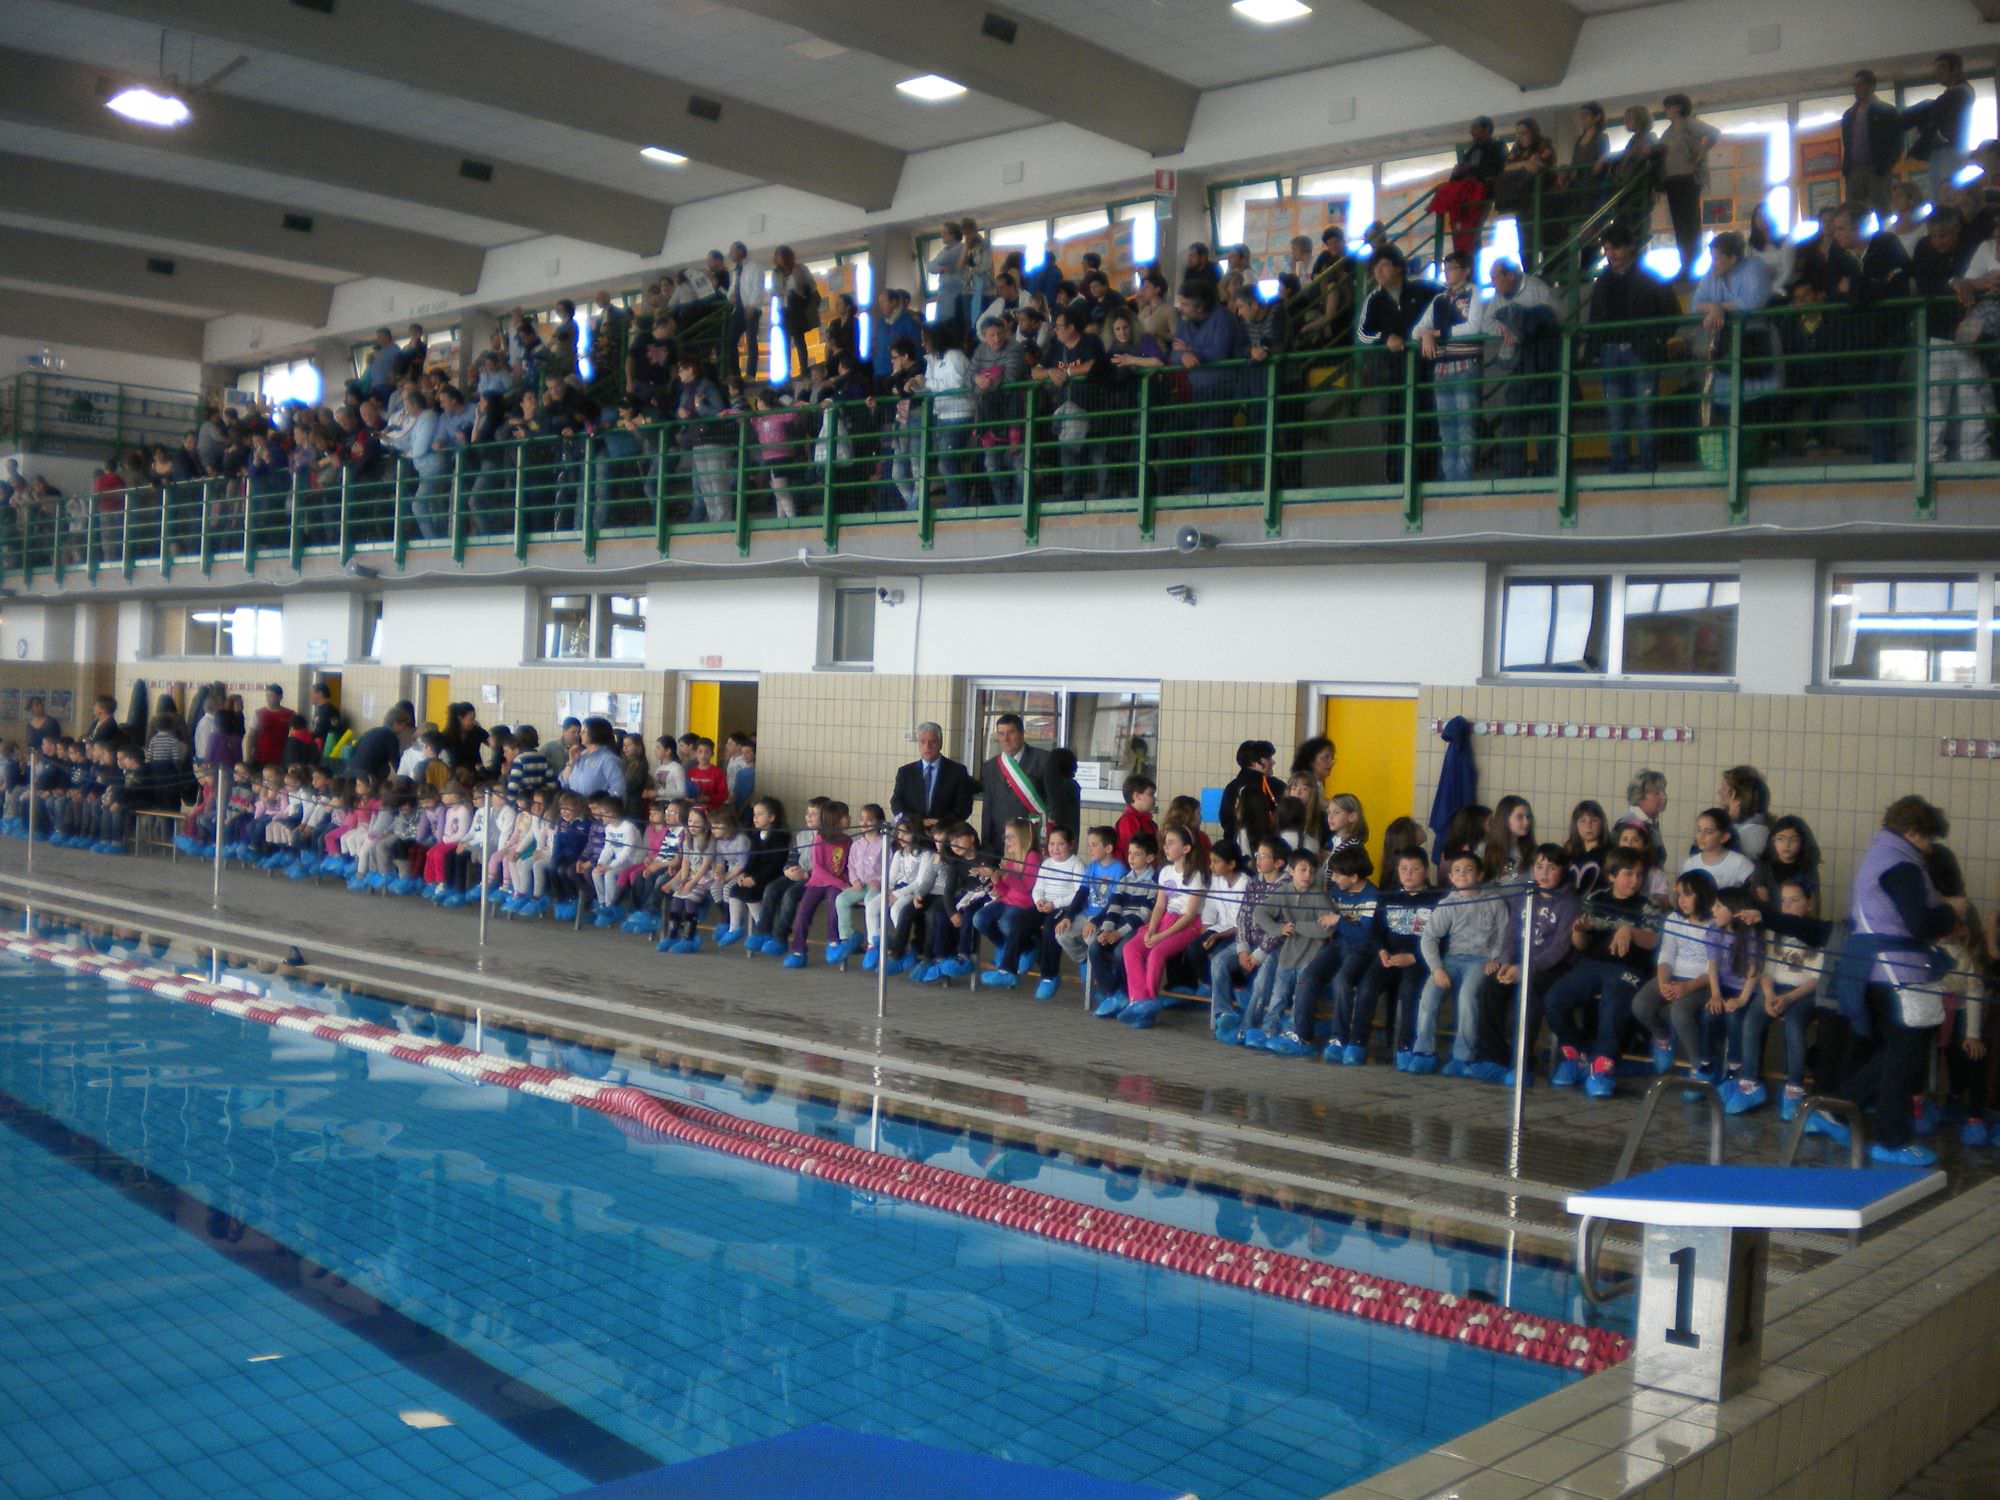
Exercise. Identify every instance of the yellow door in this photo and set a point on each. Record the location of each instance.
(437, 699)
(704, 709)
(1375, 758)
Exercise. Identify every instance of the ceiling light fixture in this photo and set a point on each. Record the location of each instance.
(144, 106)
(663, 156)
(930, 88)
(1271, 12)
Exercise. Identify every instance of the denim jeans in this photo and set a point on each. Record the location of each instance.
(1629, 394)
(1008, 928)
(1612, 986)
(1003, 473)
(1343, 971)
(1262, 1008)
(1226, 977)
(1404, 985)
(712, 481)
(430, 506)
(1289, 995)
(1467, 972)
(948, 442)
(1797, 1025)
(615, 455)
(1457, 397)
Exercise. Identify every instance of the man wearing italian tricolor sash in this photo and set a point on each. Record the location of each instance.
(1014, 784)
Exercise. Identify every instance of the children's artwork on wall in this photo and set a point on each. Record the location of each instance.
(626, 711)
(61, 704)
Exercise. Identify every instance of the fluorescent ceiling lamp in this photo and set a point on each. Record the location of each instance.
(930, 88)
(145, 106)
(1270, 12)
(663, 156)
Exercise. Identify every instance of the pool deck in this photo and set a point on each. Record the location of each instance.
(1369, 1139)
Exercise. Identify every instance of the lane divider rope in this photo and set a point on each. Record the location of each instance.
(1273, 1273)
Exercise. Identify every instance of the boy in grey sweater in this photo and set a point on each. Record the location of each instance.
(1301, 915)
(1464, 944)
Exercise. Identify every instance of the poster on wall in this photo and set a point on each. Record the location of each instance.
(61, 704)
(1271, 224)
(10, 705)
(626, 711)
(1113, 243)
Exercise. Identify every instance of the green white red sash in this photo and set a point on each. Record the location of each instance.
(1024, 789)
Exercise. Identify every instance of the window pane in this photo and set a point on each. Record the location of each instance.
(1682, 627)
(270, 631)
(566, 626)
(204, 632)
(1903, 629)
(1038, 708)
(622, 620)
(854, 626)
(1229, 206)
(1112, 735)
(371, 629)
(1553, 625)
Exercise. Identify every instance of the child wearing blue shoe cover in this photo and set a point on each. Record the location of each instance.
(1738, 962)
(1130, 905)
(1302, 918)
(1400, 916)
(1463, 945)
(826, 880)
(1241, 974)
(1339, 967)
(1614, 950)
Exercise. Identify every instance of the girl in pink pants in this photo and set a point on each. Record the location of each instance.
(1174, 924)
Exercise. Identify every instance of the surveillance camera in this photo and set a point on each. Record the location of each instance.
(1181, 592)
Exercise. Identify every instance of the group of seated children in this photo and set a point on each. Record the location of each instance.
(83, 792)
(1297, 954)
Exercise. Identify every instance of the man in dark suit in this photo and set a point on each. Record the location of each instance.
(933, 790)
(1871, 143)
(1013, 784)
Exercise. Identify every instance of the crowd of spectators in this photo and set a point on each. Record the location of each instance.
(666, 391)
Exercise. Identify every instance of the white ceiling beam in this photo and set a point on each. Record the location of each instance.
(1527, 42)
(443, 52)
(1054, 72)
(47, 189)
(51, 93)
(97, 325)
(161, 276)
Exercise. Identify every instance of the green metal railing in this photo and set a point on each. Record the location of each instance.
(1796, 395)
(42, 411)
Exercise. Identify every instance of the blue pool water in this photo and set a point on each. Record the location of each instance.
(577, 1304)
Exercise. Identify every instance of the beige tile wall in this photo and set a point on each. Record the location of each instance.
(83, 681)
(1202, 723)
(1835, 761)
(842, 734)
(528, 694)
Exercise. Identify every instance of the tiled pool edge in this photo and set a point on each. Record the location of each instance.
(1843, 1411)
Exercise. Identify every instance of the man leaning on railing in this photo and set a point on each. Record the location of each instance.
(1627, 293)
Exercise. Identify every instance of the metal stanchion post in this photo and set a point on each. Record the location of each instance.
(1521, 1038)
(34, 804)
(221, 818)
(882, 927)
(485, 855)
(479, 1029)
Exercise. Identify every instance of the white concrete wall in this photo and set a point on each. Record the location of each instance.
(456, 627)
(105, 364)
(756, 625)
(327, 617)
(38, 632)
(1777, 625)
(1424, 96)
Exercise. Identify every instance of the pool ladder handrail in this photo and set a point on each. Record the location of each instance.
(1590, 1231)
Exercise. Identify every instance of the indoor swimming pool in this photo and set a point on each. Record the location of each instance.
(263, 1262)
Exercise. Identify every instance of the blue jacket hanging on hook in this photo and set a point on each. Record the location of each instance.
(1458, 782)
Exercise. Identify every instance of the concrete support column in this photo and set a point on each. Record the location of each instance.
(892, 262)
(335, 367)
(1189, 224)
(477, 325)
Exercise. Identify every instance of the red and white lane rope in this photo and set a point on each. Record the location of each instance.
(1274, 1273)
